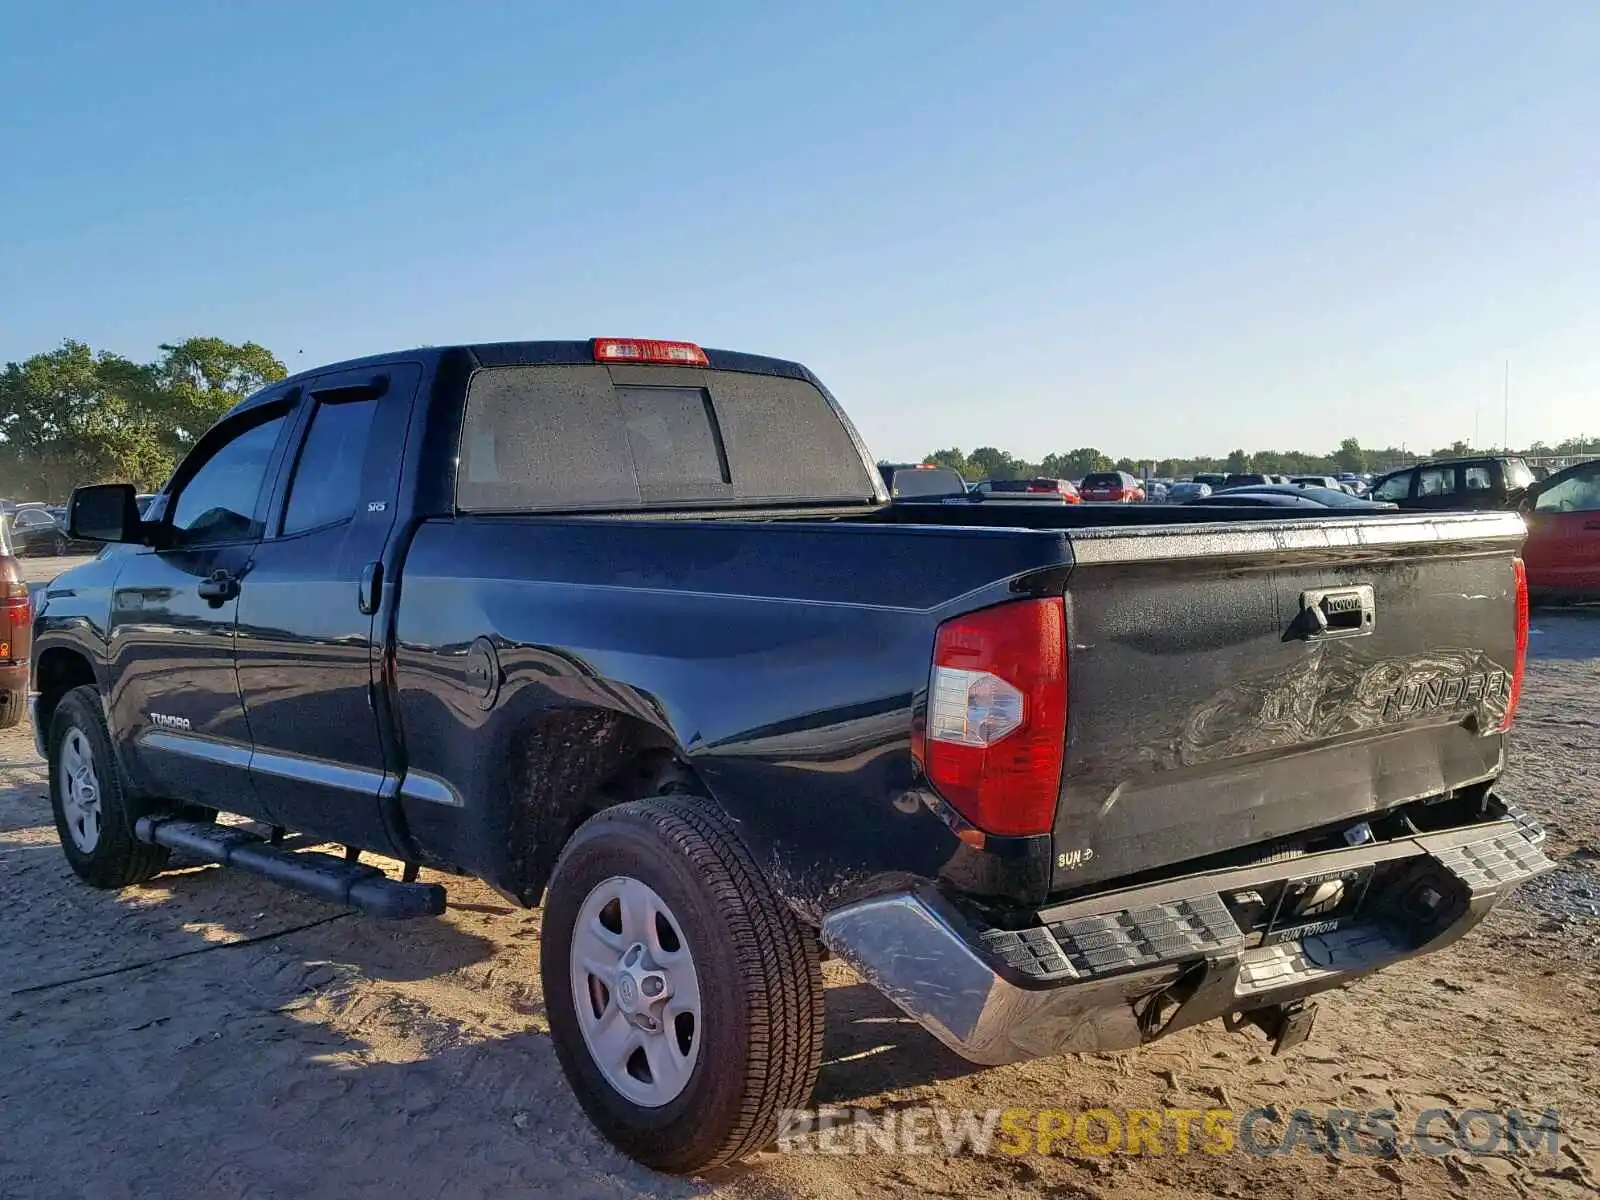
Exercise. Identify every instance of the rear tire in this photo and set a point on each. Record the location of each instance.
(756, 979)
(90, 800)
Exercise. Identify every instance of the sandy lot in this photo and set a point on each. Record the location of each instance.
(211, 1035)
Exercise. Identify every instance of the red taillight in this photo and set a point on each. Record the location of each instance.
(16, 621)
(646, 350)
(997, 715)
(1519, 665)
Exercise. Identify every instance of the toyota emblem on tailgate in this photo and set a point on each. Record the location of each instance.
(1336, 612)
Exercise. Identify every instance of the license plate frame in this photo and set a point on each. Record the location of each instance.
(1298, 913)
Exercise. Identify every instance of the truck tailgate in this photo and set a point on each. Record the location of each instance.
(1232, 685)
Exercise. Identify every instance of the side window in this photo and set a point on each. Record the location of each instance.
(327, 478)
(1576, 493)
(1436, 481)
(218, 502)
(1480, 478)
(1518, 476)
(1396, 487)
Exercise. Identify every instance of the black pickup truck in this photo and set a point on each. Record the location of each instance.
(632, 630)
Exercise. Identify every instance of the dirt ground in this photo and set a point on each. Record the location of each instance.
(211, 1035)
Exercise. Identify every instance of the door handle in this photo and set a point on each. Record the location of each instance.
(219, 589)
(371, 588)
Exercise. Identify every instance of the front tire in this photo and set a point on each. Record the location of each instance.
(702, 956)
(93, 818)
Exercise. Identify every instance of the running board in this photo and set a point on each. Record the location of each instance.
(321, 875)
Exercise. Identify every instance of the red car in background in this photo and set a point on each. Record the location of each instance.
(1116, 486)
(1563, 548)
(16, 631)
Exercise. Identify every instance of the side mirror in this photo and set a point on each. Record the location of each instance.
(105, 512)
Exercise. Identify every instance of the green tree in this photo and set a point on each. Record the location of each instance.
(198, 380)
(1074, 464)
(990, 463)
(1237, 462)
(954, 459)
(1350, 456)
(74, 415)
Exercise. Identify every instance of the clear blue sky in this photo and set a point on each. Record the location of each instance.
(1154, 228)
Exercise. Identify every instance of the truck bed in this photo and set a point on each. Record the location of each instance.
(1203, 718)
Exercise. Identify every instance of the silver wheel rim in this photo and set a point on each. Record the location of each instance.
(80, 790)
(636, 991)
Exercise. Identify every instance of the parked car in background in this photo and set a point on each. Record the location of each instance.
(1211, 479)
(16, 631)
(1183, 492)
(37, 530)
(1117, 487)
(1357, 484)
(1289, 495)
(1246, 479)
(921, 480)
(1156, 491)
(1321, 481)
(1443, 485)
(1563, 546)
(1050, 491)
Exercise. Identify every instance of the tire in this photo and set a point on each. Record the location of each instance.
(111, 857)
(59, 546)
(756, 972)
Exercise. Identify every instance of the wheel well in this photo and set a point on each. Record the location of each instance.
(59, 671)
(568, 765)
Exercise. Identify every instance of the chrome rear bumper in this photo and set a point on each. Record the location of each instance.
(1117, 970)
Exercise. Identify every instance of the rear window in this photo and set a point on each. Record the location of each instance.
(910, 482)
(556, 437)
(1103, 479)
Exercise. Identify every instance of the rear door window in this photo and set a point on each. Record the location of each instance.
(1436, 481)
(327, 477)
(1480, 478)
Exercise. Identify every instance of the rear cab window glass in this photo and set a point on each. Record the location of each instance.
(595, 437)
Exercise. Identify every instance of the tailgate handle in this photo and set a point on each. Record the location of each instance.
(1336, 612)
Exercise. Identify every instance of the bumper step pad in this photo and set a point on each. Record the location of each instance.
(1200, 926)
